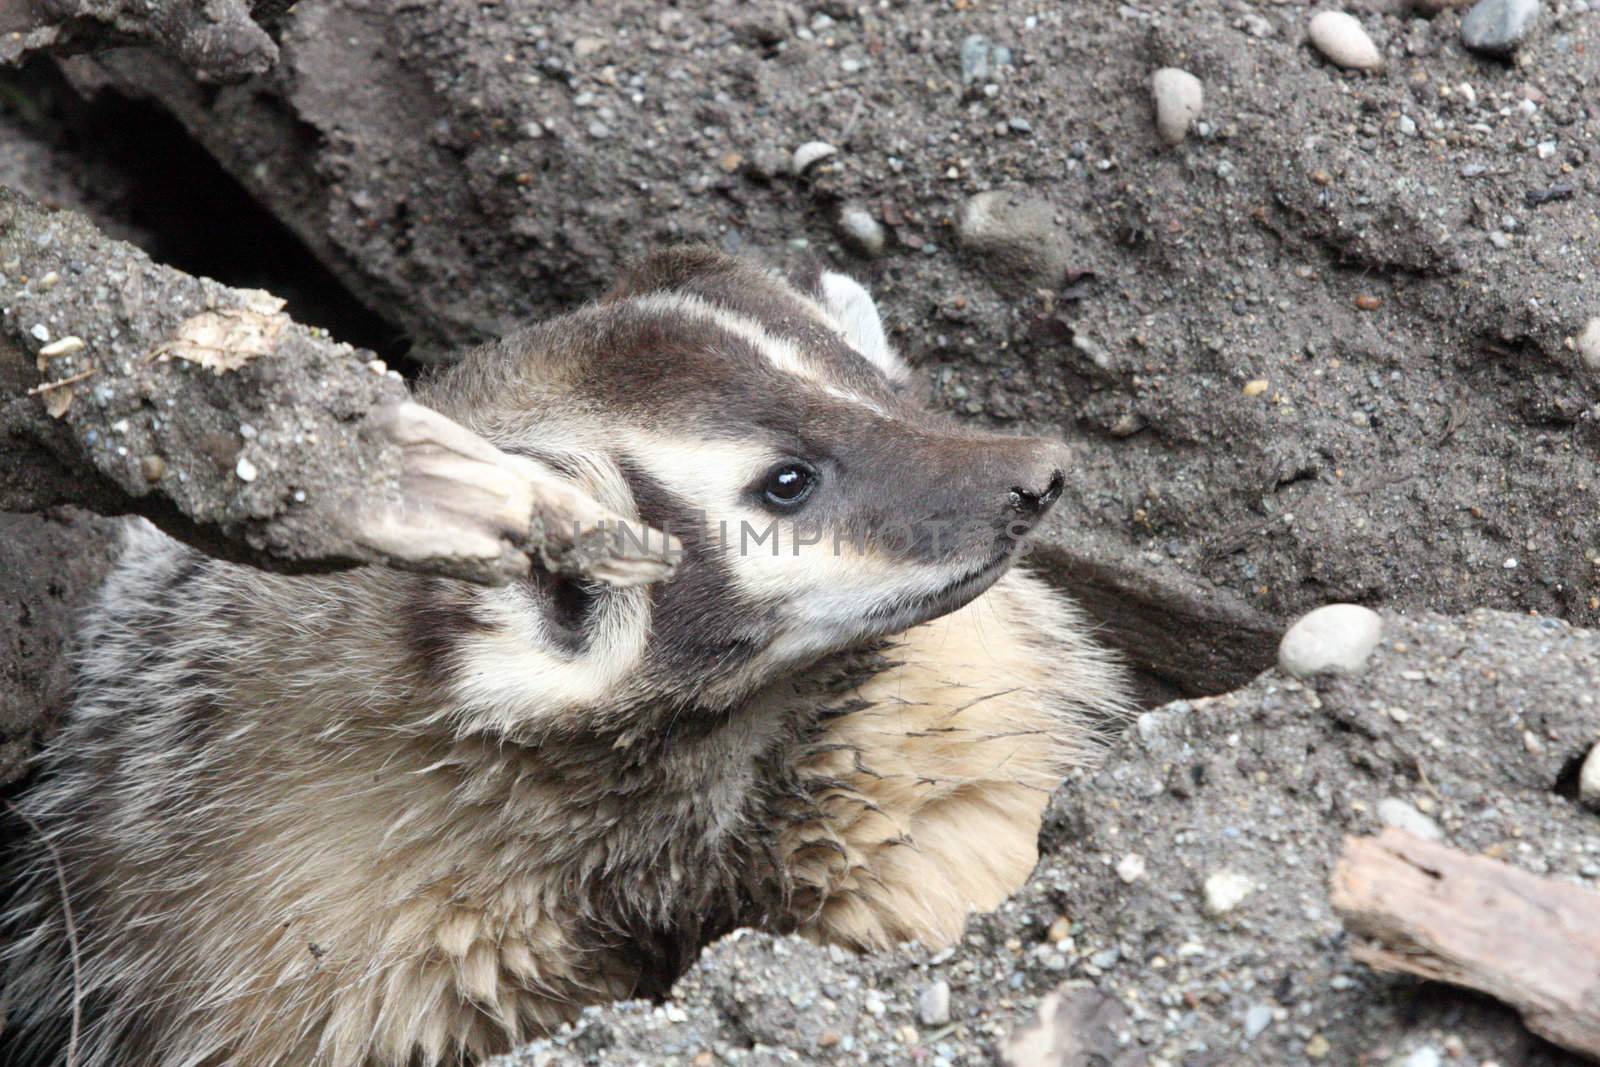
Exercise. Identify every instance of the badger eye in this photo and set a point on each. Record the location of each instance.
(789, 484)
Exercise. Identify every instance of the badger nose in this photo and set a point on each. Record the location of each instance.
(1031, 503)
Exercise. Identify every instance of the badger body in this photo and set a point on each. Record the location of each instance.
(375, 818)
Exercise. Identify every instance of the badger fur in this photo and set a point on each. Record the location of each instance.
(375, 818)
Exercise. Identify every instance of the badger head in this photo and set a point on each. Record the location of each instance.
(769, 425)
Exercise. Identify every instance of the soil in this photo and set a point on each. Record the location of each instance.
(1323, 350)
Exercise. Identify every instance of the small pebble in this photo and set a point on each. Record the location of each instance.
(1254, 387)
(153, 468)
(1225, 891)
(1426, 1056)
(1368, 302)
(1341, 38)
(62, 347)
(1016, 237)
(981, 59)
(40, 332)
(1257, 1019)
(1392, 811)
(1589, 779)
(245, 470)
(1589, 344)
(1498, 27)
(1317, 1048)
(810, 154)
(857, 226)
(933, 1006)
(1337, 637)
(1131, 868)
(1179, 98)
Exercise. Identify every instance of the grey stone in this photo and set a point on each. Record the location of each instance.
(1333, 638)
(1498, 27)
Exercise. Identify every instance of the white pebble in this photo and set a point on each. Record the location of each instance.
(1337, 637)
(1257, 1019)
(1342, 39)
(1426, 1056)
(1589, 779)
(857, 224)
(40, 332)
(1392, 811)
(63, 347)
(1226, 890)
(1131, 868)
(933, 1006)
(245, 470)
(1179, 98)
(810, 154)
(1589, 344)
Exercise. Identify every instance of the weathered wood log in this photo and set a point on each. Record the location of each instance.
(1430, 910)
(128, 387)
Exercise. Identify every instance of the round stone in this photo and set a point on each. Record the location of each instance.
(1178, 97)
(1497, 27)
(933, 1006)
(1014, 235)
(1225, 891)
(1589, 779)
(1342, 39)
(1336, 638)
(1392, 811)
(857, 226)
(1589, 344)
(810, 154)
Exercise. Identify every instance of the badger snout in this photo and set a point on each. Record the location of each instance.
(1035, 488)
(1034, 504)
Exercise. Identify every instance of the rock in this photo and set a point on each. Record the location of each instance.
(860, 229)
(1075, 1025)
(1337, 637)
(245, 470)
(1257, 1019)
(1179, 98)
(1225, 891)
(1426, 1056)
(1131, 868)
(1589, 344)
(1589, 779)
(810, 154)
(981, 59)
(1014, 235)
(1497, 27)
(1341, 38)
(933, 1005)
(1392, 811)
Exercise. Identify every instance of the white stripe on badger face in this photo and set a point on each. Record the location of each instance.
(784, 354)
(515, 659)
(827, 590)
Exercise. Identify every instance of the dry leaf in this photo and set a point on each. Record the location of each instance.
(57, 401)
(227, 339)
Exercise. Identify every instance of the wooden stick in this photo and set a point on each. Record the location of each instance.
(1430, 910)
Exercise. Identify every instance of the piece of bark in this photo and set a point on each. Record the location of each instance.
(1430, 910)
(128, 387)
(216, 40)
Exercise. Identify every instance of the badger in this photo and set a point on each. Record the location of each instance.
(379, 818)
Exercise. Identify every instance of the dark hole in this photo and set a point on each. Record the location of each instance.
(177, 203)
(1567, 781)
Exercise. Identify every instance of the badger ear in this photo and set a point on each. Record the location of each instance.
(857, 318)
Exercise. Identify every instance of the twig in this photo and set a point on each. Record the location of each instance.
(72, 930)
(45, 387)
